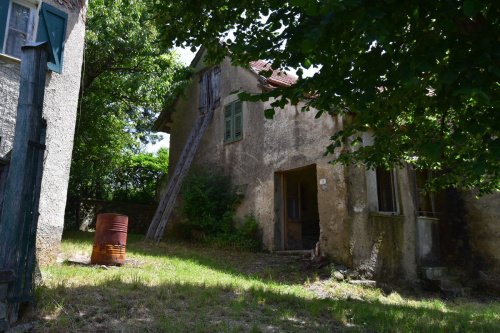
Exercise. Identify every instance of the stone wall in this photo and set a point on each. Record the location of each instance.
(60, 107)
(483, 225)
(139, 215)
(9, 91)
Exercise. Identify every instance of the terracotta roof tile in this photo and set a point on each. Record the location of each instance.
(278, 78)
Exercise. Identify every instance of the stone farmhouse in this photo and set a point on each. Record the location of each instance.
(376, 221)
(62, 22)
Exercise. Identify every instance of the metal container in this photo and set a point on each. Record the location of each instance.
(110, 239)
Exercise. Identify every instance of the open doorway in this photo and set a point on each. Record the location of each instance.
(299, 208)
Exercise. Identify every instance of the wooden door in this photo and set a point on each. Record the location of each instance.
(293, 214)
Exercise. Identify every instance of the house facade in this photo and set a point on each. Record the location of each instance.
(376, 221)
(62, 24)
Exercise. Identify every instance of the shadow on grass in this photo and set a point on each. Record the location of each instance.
(180, 307)
(263, 266)
(136, 307)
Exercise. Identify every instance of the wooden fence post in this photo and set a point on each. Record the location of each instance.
(18, 222)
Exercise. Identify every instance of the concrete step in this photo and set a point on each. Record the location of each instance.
(294, 252)
(441, 278)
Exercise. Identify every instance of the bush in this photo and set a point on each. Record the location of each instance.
(209, 206)
(244, 236)
(209, 202)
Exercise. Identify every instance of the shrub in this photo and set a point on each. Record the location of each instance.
(250, 228)
(209, 206)
(209, 202)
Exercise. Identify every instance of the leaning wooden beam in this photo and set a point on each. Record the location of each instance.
(209, 100)
(19, 218)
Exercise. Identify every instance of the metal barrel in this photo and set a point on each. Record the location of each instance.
(110, 239)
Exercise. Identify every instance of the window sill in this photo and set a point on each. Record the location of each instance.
(386, 215)
(232, 141)
(428, 218)
(7, 57)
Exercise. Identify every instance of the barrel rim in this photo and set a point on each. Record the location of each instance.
(112, 214)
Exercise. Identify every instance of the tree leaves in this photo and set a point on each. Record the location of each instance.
(471, 7)
(128, 79)
(415, 73)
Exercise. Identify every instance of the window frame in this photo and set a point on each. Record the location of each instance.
(425, 198)
(34, 7)
(232, 119)
(394, 190)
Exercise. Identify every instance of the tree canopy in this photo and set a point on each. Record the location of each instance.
(127, 80)
(422, 76)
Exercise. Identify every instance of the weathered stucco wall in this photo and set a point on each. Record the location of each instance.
(483, 225)
(60, 107)
(380, 244)
(291, 140)
(352, 231)
(9, 91)
(334, 213)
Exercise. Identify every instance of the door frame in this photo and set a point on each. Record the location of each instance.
(281, 228)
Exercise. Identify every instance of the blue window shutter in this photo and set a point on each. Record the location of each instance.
(238, 121)
(4, 12)
(228, 123)
(52, 29)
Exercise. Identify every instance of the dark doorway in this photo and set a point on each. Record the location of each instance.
(299, 209)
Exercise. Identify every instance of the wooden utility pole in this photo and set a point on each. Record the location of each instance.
(19, 219)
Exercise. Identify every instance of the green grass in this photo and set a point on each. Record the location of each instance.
(176, 287)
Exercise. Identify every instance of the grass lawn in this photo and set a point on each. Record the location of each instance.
(177, 287)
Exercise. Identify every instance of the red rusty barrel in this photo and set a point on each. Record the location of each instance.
(110, 239)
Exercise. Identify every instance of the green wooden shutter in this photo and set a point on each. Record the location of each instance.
(52, 29)
(4, 12)
(228, 123)
(238, 121)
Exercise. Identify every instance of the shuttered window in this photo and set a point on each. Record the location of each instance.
(18, 28)
(4, 15)
(209, 90)
(233, 122)
(52, 29)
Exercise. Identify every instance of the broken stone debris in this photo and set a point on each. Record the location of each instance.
(353, 276)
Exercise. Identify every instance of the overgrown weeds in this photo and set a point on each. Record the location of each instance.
(209, 203)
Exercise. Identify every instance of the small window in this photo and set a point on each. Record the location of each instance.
(19, 27)
(233, 122)
(386, 191)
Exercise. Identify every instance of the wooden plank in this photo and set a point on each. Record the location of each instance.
(19, 215)
(152, 230)
(177, 186)
(4, 169)
(209, 99)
